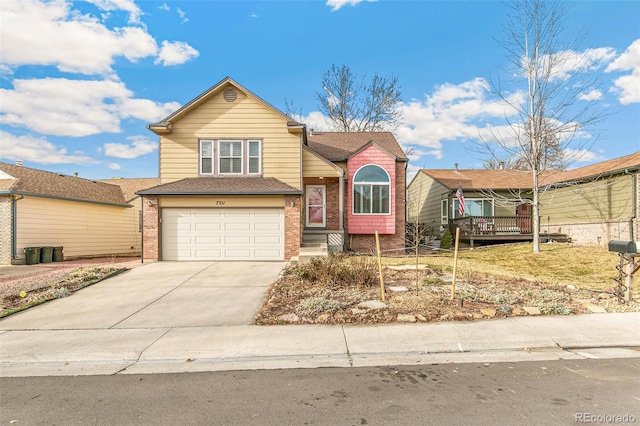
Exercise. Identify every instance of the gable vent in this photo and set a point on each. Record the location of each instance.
(230, 95)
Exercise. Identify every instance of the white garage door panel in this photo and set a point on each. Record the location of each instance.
(222, 234)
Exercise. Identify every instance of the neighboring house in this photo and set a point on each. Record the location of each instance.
(87, 218)
(241, 180)
(495, 197)
(590, 205)
(596, 203)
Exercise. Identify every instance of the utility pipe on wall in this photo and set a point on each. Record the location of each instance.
(14, 225)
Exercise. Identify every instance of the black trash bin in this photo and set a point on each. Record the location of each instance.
(32, 255)
(58, 256)
(46, 254)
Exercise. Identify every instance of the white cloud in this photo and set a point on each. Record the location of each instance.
(592, 95)
(570, 62)
(452, 112)
(38, 150)
(75, 42)
(629, 85)
(581, 156)
(114, 166)
(338, 4)
(164, 6)
(66, 39)
(182, 15)
(115, 5)
(81, 108)
(139, 146)
(175, 53)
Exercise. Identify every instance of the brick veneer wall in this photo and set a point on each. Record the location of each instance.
(6, 230)
(150, 229)
(292, 225)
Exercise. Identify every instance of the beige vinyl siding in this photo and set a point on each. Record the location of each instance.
(223, 201)
(596, 201)
(424, 200)
(312, 166)
(83, 229)
(245, 118)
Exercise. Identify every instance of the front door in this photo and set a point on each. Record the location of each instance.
(316, 206)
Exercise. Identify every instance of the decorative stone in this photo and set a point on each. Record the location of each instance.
(571, 287)
(530, 310)
(421, 318)
(356, 311)
(489, 312)
(406, 318)
(288, 318)
(504, 310)
(323, 318)
(517, 311)
(595, 309)
(398, 288)
(372, 304)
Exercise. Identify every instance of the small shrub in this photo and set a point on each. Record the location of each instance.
(447, 240)
(59, 292)
(316, 305)
(339, 271)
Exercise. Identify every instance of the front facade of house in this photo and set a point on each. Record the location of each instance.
(240, 180)
(87, 218)
(591, 205)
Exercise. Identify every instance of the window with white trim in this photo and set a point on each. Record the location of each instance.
(223, 157)
(206, 157)
(371, 190)
(475, 207)
(444, 219)
(230, 158)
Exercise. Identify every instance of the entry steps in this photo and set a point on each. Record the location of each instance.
(313, 245)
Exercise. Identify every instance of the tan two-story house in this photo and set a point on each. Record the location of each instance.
(240, 180)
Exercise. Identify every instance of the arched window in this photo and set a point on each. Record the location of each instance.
(371, 190)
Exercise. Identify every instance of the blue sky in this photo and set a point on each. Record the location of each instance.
(81, 80)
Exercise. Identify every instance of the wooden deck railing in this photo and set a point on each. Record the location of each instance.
(471, 226)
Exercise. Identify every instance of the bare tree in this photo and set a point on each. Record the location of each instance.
(554, 106)
(355, 105)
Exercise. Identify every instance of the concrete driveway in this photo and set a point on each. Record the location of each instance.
(159, 295)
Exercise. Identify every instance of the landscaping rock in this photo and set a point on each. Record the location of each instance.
(406, 318)
(398, 288)
(356, 311)
(289, 318)
(323, 318)
(595, 309)
(489, 312)
(372, 304)
(421, 318)
(530, 310)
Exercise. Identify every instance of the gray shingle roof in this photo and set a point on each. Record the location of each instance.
(54, 185)
(131, 186)
(223, 186)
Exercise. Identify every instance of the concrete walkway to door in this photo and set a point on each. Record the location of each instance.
(162, 294)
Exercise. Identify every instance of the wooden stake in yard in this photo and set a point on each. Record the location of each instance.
(382, 297)
(455, 265)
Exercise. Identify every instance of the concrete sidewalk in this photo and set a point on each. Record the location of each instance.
(139, 350)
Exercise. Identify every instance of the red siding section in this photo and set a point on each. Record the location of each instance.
(368, 224)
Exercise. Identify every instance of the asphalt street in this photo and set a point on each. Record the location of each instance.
(542, 393)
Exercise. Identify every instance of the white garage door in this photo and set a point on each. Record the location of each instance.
(222, 234)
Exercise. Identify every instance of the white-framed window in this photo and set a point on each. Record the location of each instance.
(254, 157)
(206, 157)
(475, 207)
(371, 190)
(230, 157)
(444, 208)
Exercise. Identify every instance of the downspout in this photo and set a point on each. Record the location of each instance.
(634, 211)
(14, 226)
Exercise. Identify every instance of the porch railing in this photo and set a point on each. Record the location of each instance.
(493, 225)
